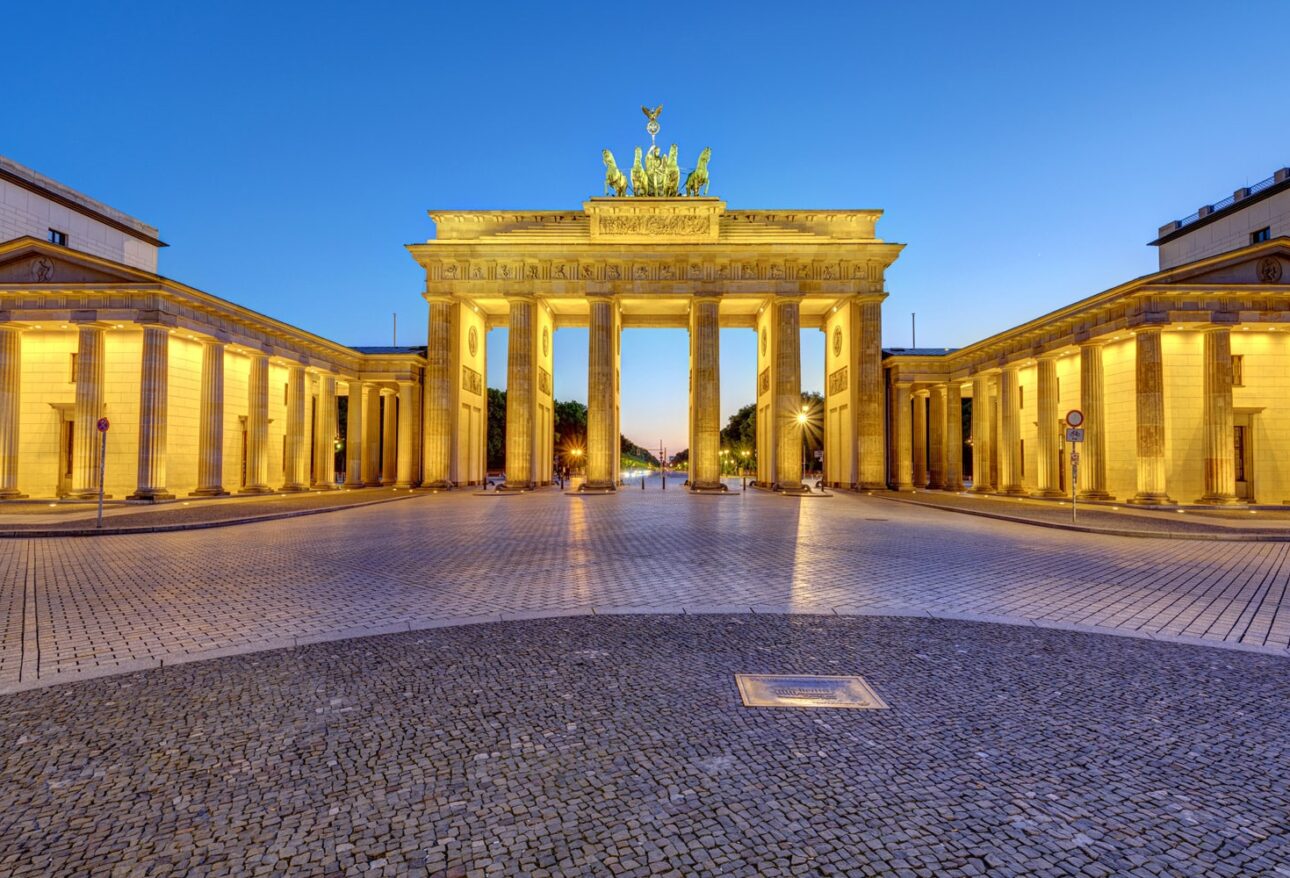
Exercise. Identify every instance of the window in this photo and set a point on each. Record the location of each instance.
(1021, 396)
(1238, 370)
(72, 379)
(1261, 235)
(1022, 459)
(57, 237)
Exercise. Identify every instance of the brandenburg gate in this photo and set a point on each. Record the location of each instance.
(656, 258)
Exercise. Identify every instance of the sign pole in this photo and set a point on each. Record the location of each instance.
(1074, 435)
(103, 428)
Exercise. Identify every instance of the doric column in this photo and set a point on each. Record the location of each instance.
(1010, 432)
(295, 475)
(870, 430)
(981, 430)
(436, 416)
(936, 440)
(257, 426)
(371, 435)
(602, 444)
(325, 434)
(10, 409)
(390, 438)
(89, 408)
(521, 395)
(354, 435)
(406, 456)
(1092, 465)
(918, 444)
(154, 382)
(1217, 420)
(953, 437)
(788, 395)
(210, 427)
(1149, 369)
(1047, 475)
(705, 407)
(902, 431)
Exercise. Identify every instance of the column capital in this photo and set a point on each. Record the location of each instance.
(1088, 342)
(155, 318)
(438, 298)
(705, 296)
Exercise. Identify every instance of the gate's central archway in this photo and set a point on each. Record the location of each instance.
(654, 262)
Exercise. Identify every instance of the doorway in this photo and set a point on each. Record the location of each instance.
(1243, 456)
(66, 452)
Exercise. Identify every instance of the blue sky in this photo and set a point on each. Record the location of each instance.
(1025, 152)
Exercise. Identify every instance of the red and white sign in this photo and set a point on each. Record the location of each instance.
(1074, 418)
(103, 425)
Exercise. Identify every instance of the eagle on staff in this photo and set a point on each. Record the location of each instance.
(652, 115)
(660, 175)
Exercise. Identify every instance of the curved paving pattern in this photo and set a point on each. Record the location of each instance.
(82, 606)
(619, 747)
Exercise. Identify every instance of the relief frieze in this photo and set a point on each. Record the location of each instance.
(838, 381)
(471, 381)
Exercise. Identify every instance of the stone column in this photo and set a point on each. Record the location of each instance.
(210, 427)
(325, 434)
(371, 435)
(903, 435)
(1010, 440)
(788, 395)
(1217, 418)
(405, 456)
(705, 407)
(1092, 464)
(154, 381)
(870, 429)
(257, 426)
(354, 435)
(10, 410)
(602, 442)
(936, 441)
(981, 430)
(1048, 477)
(520, 395)
(390, 438)
(918, 447)
(1149, 371)
(953, 437)
(436, 415)
(294, 476)
(89, 408)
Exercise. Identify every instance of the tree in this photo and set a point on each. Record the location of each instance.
(496, 428)
(570, 426)
(634, 455)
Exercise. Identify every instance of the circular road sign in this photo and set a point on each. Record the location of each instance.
(103, 425)
(1074, 418)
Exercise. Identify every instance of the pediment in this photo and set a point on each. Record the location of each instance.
(34, 262)
(1266, 265)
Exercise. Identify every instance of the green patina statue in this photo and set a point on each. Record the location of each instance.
(698, 178)
(671, 175)
(654, 175)
(614, 178)
(639, 183)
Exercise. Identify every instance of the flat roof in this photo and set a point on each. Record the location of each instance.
(1226, 207)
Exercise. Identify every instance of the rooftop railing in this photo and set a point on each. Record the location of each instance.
(1239, 195)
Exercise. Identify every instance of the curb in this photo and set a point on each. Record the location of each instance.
(1234, 537)
(430, 624)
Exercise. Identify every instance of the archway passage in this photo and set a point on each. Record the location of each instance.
(627, 263)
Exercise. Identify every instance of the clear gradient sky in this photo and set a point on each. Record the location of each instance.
(1025, 152)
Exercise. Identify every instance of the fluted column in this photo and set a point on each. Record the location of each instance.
(390, 417)
(1010, 438)
(154, 374)
(981, 430)
(1092, 465)
(602, 444)
(405, 456)
(1149, 394)
(257, 426)
(294, 476)
(953, 437)
(520, 395)
(1217, 418)
(10, 410)
(371, 435)
(788, 395)
(436, 415)
(918, 447)
(902, 431)
(936, 439)
(89, 408)
(210, 427)
(325, 434)
(705, 408)
(1048, 476)
(354, 435)
(870, 429)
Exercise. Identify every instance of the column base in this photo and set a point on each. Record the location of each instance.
(1221, 500)
(152, 495)
(375, 483)
(908, 487)
(799, 488)
(1050, 494)
(294, 489)
(352, 486)
(1013, 491)
(1095, 495)
(516, 487)
(406, 485)
(982, 489)
(214, 491)
(953, 488)
(872, 486)
(85, 495)
(602, 488)
(1151, 500)
(15, 494)
(256, 489)
(442, 485)
(324, 486)
(709, 488)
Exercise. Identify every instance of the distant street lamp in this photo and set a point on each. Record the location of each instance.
(801, 425)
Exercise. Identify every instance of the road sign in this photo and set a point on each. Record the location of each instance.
(1074, 434)
(1074, 418)
(103, 425)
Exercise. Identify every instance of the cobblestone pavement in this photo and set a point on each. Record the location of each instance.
(75, 606)
(618, 746)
